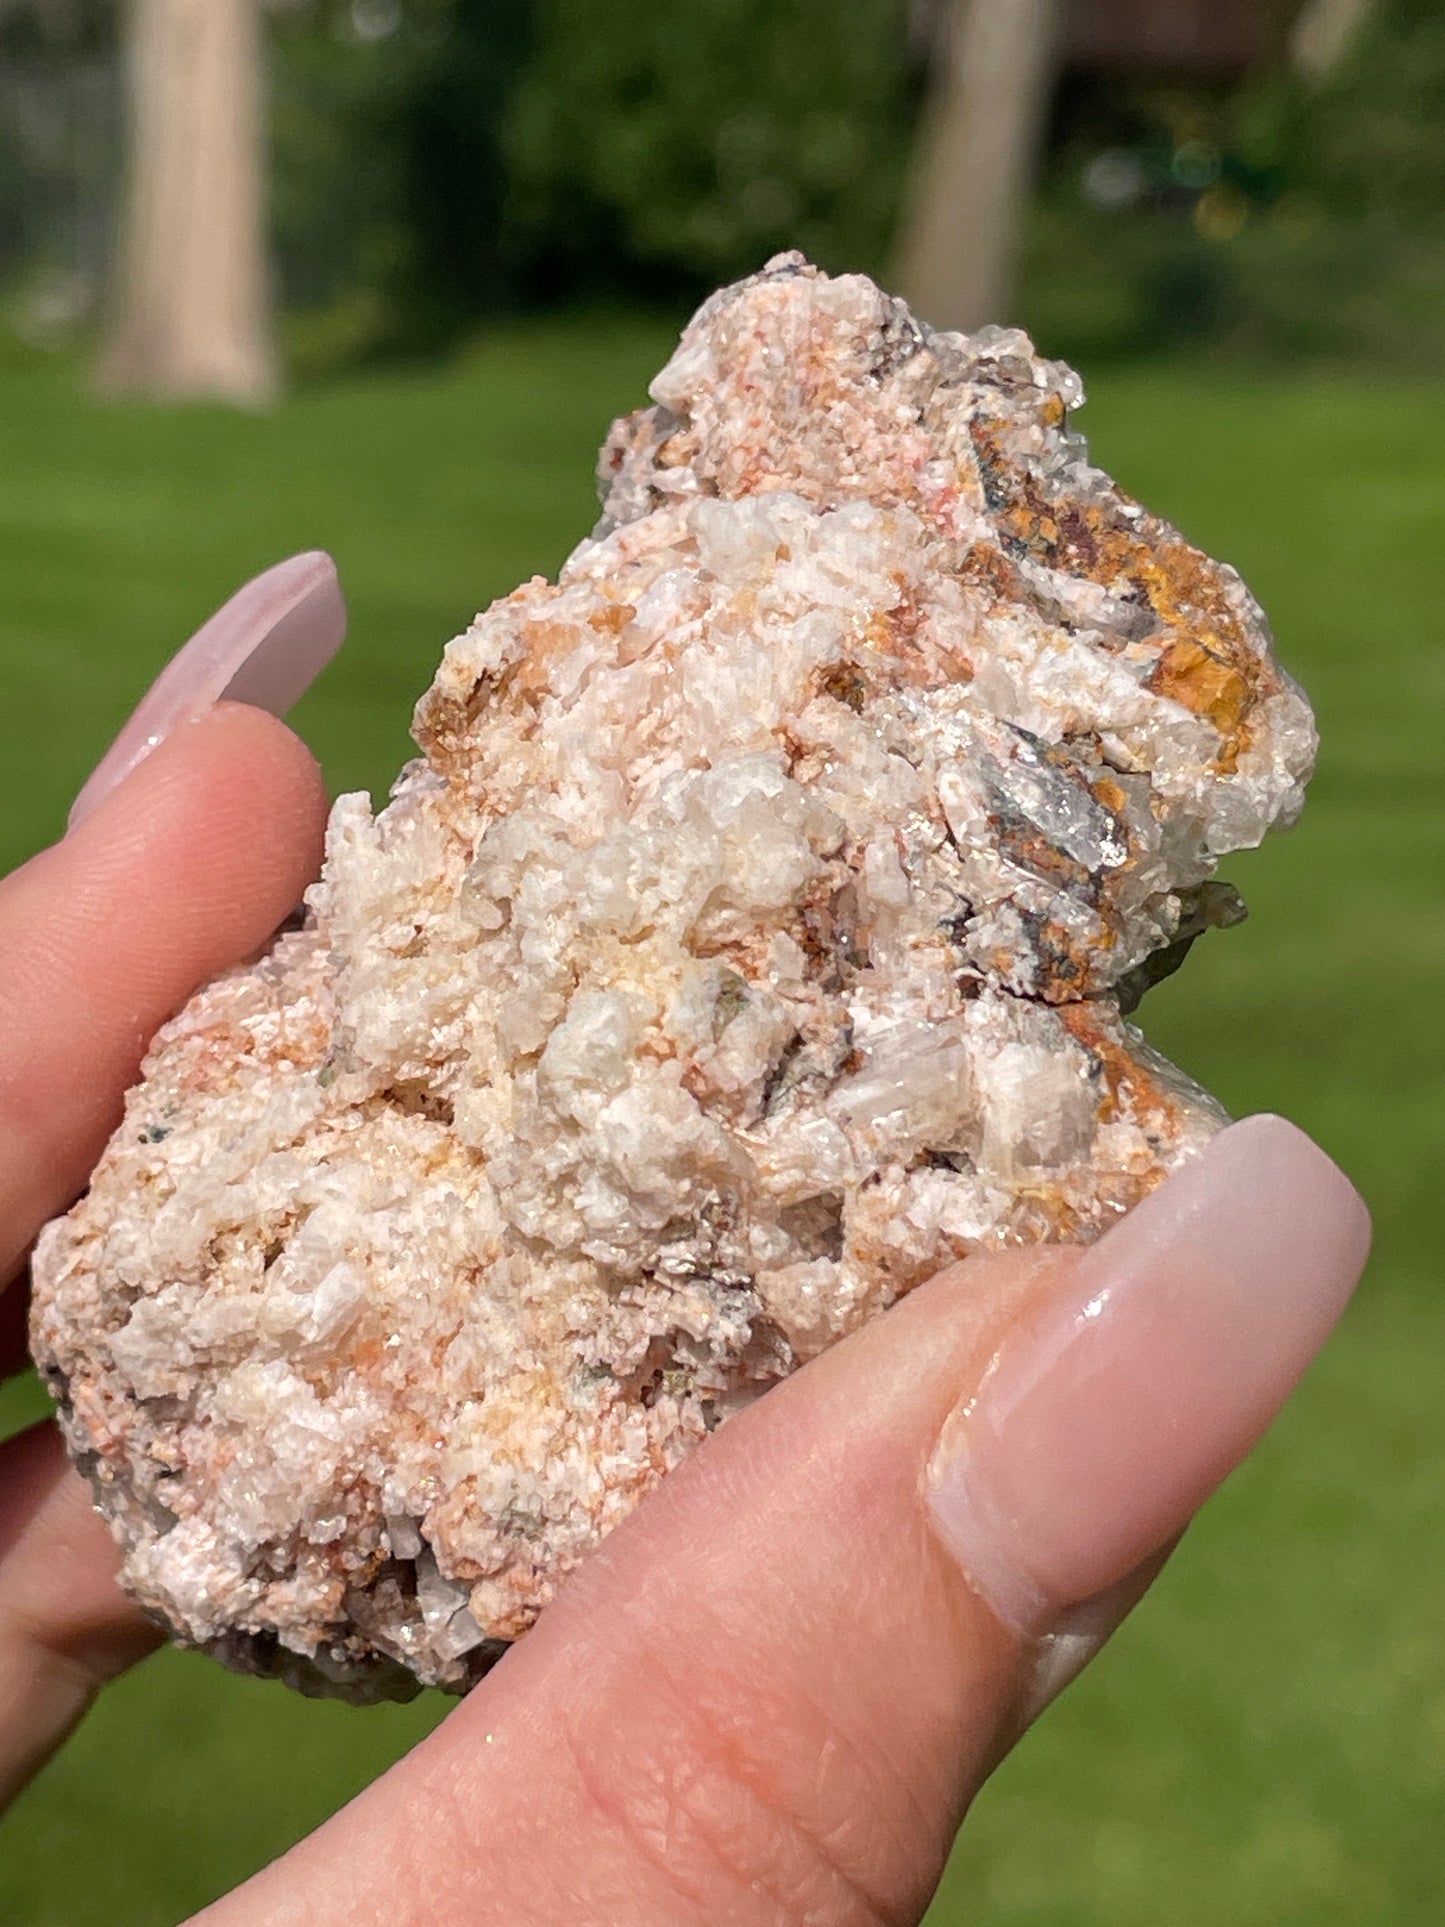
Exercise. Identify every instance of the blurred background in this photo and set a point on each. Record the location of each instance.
(374, 275)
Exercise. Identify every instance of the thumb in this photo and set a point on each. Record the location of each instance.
(771, 1695)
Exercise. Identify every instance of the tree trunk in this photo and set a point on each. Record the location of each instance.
(975, 163)
(194, 312)
(1323, 33)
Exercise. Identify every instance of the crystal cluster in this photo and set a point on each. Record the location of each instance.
(748, 942)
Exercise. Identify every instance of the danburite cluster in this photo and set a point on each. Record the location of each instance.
(748, 942)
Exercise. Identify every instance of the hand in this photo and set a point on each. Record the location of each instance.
(771, 1694)
(189, 865)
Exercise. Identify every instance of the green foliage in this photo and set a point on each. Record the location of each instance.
(59, 161)
(339, 216)
(56, 30)
(439, 161)
(454, 159)
(1352, 256)
(1280, 219)
(455, 171)
(485, 155)
(388, 183)
(704, 137)
(1371, 144)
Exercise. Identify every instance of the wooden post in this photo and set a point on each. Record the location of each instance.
(975, 162)
(193, 311)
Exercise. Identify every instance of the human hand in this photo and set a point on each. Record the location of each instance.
(178, 863)
(770, 1696)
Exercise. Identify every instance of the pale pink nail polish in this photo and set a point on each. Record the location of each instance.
(1147, 1376)
(266, 646)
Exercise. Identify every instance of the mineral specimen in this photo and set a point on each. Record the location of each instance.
(748, 942)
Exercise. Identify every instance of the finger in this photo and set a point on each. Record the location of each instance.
(186, 867)
(1057, 1660)
(772, 1693)
(64, 1628)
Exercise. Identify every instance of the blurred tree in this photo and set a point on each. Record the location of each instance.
(982, 129)
(1277, 213)
(454, 175)
(436, 161)
(1323, 33)
(389, 182)
(343, 229)
(56, 26)
(1370, 141)
(59, 137)
(691, 142)
(193, 315)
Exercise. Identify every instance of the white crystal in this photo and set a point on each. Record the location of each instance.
(745, 946)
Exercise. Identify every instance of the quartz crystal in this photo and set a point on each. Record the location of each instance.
(749, 941)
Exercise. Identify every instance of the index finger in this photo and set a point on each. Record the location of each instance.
(187, 867)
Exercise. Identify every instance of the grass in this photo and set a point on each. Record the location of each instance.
(1264, 1743)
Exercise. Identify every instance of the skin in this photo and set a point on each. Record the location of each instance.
(772, 1694)
(190, 865)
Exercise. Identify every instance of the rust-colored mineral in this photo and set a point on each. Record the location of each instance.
(748, 942)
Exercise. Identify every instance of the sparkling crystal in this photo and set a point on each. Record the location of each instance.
(747, 943)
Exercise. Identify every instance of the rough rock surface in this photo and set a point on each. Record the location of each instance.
(748, 942)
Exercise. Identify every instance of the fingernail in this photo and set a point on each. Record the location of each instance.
(1148, 1373)
(266, 646)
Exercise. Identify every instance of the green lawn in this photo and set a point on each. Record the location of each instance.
(1266, 1743)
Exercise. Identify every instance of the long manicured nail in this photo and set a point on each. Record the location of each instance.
(1161, 1358)
(266, 646)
